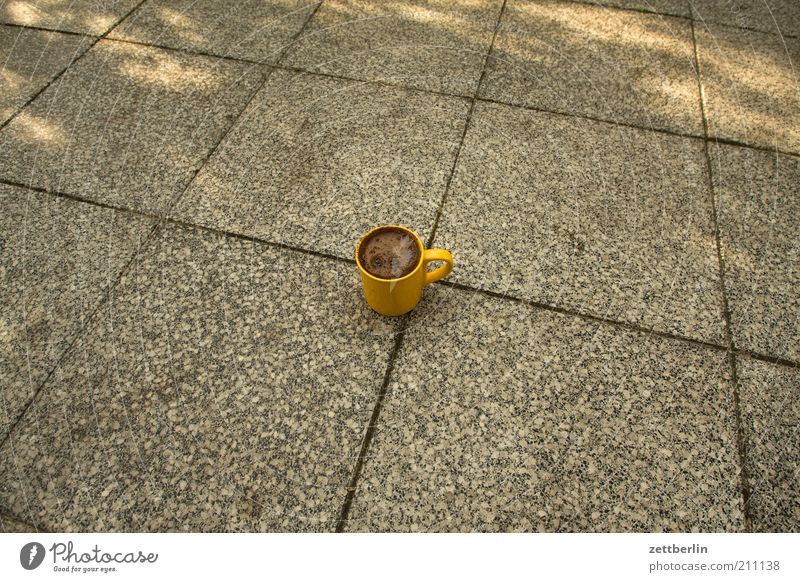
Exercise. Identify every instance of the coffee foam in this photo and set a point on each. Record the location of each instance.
(390, 253)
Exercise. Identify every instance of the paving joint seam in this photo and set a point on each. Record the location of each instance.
(722, 140)
(179, 196)
(384, 83)
(378, 82)
(443, 200)
(144, 246)
(235, 120)
(85, 328)
(160, 218)
(734, 142)
(705, 22)
(60, 74)
(701, 20)
(295, 69)
(731, 350)
(689, 18)
(107, 293)
(46, 29)
(775, 360)
(744, 480)
(373, 423)
(351, 491)
(628, 9)
(574, 115)
(193, 52)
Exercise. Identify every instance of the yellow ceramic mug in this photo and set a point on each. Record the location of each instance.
(399, 296)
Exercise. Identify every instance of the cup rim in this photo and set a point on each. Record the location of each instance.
(377, 228)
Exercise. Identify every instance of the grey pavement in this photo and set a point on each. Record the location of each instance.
(184, 345)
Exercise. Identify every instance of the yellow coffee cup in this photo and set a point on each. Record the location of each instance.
(399, 296)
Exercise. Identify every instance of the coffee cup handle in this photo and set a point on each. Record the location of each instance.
(431, 255)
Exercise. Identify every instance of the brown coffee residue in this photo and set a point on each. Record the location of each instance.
(389, 253)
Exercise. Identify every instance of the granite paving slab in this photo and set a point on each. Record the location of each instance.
(316, 162)
(750, 86)
(83, 16)
(504, 417)
(439, 45)
(31, 58)
(776, 16)
(758, 205)
(57, 259)
(11, 525)
(600, 62)
(603, 219)
(249, 29)
(770, 417)
(226, 387)
(126, 125)
(669, 7)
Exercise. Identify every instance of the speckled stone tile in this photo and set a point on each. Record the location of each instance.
(31, 58)
(316, 162)
(249, 29)
(775, 16)
(606, 63)
(598, 218)
(758, 205)
(84, 16)
(57, 258)
(669, 7)
(503, 417)
(226, 387)
(769, 396)
(439, 45)
(11, 525)
(126, 125)
(750, 86)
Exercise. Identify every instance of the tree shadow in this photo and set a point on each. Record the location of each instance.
(83, 16)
